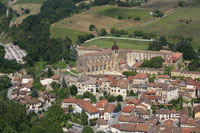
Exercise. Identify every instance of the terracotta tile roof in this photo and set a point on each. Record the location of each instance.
(122, 62)
(128, 109)
(55, 77)
(32, 101)
(190, 130)
(27, 97)
(136, 65)
(110, 108)
(101, 103)
(159, 85)
(187, 120)
(119, 83)
(168, 123)
(83, 104)
(133, 101)
(150, 93)
(163, 77)
(131, 119)
(132, 127)
(140, 76)
(131, 77)
(101, 122)
(196, 109)
(175, 83)
(28, 85)
(163, 111)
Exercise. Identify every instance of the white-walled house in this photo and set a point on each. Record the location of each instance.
(78, 105)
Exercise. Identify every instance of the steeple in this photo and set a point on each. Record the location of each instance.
(115, 47)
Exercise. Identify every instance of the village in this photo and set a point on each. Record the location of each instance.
(146, 100)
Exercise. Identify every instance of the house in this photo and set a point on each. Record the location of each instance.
(101, 125)
(55, 78)
(163, 114)
(131, 120)
(33, 104)
(138, 88)
(85, 84)
(108, 112)
(119, 87)
(142, 113)
(130, 128)
(196, 111)
(78, 105)
(132, 102)
(52, 97)
(128, 110)
(185, 121)
(163, 78)
(140, 78)
(101, 104)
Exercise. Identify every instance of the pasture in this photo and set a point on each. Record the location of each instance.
(184, 21)
(34, 9)
(79, 23)
(30, 2)
(124, 44)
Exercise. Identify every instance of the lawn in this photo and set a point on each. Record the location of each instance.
(57, 32)
(176, 23)
(115, 12)
(30, 1)
(124, 44)
(34, 9)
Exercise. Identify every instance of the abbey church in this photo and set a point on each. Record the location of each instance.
(98, 61)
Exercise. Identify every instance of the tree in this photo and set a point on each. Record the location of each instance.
(73, 53)
(92, 27)
(73, 90)
(38, 129)
(70, 108)
(64, 85)
(102, 32)
(49, 73)
(155, 46)
(27, 11)
(118, 108)
(87, 129)
(131, 93)
(157, 13)
(129, 73)
(120, 17)
(84, 118)
(5, 83)
(119, 98)
(93, 122)
(163, 41)
(155, 62)
(34, 93)
(111, 98)
(181, 3)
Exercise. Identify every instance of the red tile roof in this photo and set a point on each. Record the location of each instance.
(102, 103)
(110, 108)
(133, 101)
(163, 76)
(140, 76)
(83, 104)
(137, 64)
(55, 77)
(128, 109)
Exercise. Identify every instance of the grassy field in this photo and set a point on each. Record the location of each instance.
(30, 1)
(63, 33)
(124, 44)
(176, 23)
(162, 5)
(124, 12)
(3, 1)
(34, 9)
(79, 23)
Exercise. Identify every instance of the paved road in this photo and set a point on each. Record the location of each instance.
(120, 38)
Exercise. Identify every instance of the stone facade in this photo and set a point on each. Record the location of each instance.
(115, 60)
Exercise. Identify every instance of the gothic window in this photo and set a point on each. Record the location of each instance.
(92, 68)
(96, 68)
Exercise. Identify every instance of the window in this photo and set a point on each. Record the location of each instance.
(92, 68)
